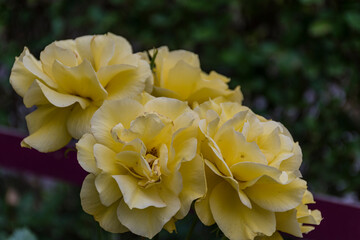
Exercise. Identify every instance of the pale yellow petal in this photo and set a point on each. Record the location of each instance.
(274, 196)
(270, 144)
(109, 221)
(203, 211)
(147, 126)
(213, 80)
(160, 60)
(122, 49)
(149, 221)
(283, 156)
(83, 48)
(308, 197)
(167, 60)
(210, 105)
(171, 108)
(235, 148)
(85, 154)
(58, 99)
(164, 158)
(293, 163)
(182, 79)
(212, 153)
(275, 236)
(91, 204)
(63, 54)
(194, 185)
(170, 226)
(79, 120)
(186, 150)
(135, 145)
(107, 188)
(134, 162)
(202, 206)
(212, 126)
(36, 68)
(47, 128)
(230, 109)
(173, 182)
(254, 129)
(89, 196)
(288, 223)
(69, 44)
(105, 159)
(247, 171)
(313, 218)
(186, 119)
(107, 73)
(317, 216)
(235, 95)
(129, 83)
(21, 78)
(164, 92)
(236, 220)
(80, 81)
(143, 98)
(236, 121)
(102, 49)
(109, 115)
(230, 179)
(307, 229)
(204, 94)
(137, 197)
(34, 95)
(236, 186)
(184, 144)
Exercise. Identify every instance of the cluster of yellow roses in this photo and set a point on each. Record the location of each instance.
(157, 134)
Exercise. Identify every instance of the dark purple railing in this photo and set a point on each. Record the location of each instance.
(61, 164)
(341, 220)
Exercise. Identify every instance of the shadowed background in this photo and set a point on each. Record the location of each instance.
(296, 61)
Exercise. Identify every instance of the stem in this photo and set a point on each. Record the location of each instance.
(188, 236)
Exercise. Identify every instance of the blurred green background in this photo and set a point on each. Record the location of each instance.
(297, 62)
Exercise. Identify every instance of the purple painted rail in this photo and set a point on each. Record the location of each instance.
(341, 220)
(54, 165)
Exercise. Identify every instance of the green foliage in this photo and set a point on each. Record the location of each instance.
(296, 61)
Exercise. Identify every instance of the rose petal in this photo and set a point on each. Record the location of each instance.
(47, 128)
(236, 220)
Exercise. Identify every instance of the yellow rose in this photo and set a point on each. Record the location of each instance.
(178, 75)
(71, 81)
(145, 170)
(251, 168)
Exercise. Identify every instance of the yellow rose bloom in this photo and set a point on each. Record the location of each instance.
(251, 168)
(143, 163)
(177, 74)
(71, 81)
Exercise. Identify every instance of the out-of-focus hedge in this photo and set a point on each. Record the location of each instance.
(297, 61)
